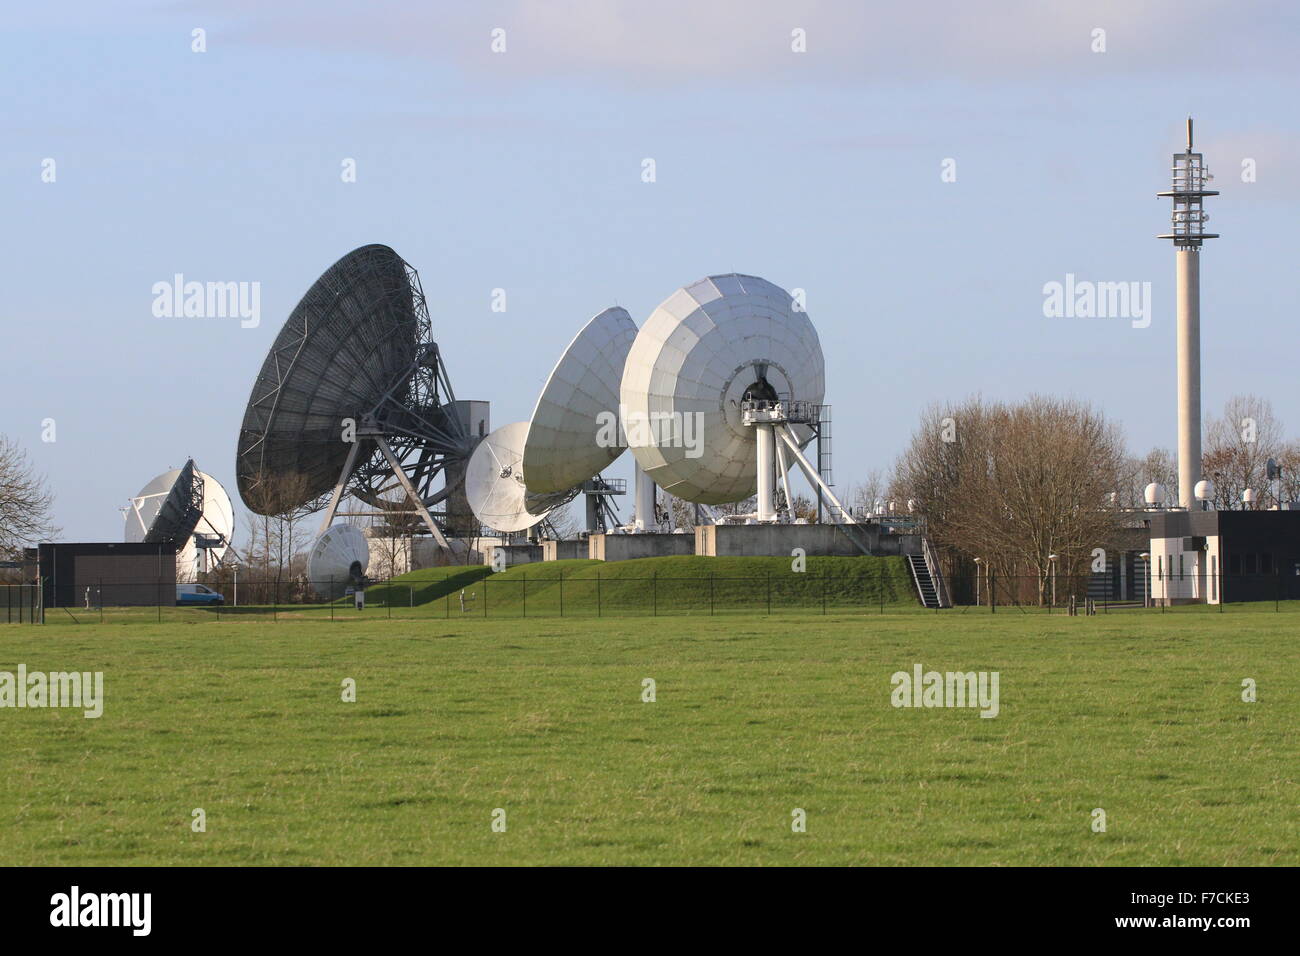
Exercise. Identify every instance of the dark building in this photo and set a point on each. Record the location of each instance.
(1225, 556)
(117, 574)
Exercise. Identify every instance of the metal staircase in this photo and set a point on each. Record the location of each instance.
(926, 588)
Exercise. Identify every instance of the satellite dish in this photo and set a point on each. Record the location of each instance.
(568, 440)
(706, 349)
(151, 509)
(1154, 494)
(356, 354)
(168, 508)
(494, 483)
(1248, 497)
(337, 560)
(1204, 490)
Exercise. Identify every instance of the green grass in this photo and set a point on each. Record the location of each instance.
(1137, 713)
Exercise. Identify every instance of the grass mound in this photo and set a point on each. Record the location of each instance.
(688, 584)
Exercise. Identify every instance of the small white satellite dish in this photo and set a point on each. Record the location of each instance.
(339, 558)
(494, 483)
(1204, 490)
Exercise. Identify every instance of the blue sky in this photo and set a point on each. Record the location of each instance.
(522, 170)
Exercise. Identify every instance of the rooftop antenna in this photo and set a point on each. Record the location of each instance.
(1188, 191)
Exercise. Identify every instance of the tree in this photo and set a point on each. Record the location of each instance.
(1157, 466)
(1238, 445)
(1015, 484)
(276, 535)
(25, 501)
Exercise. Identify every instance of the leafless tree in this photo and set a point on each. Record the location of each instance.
(277, 539)
(1015, 484)
(25, 501)
(1238, 445)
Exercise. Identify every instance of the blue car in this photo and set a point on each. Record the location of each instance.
(197, 594)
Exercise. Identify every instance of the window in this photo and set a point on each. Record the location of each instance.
(1214, 577)
(1250, 564)
(1234, 564)
(1266, 563)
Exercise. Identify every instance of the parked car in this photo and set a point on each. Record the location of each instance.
(197, 594)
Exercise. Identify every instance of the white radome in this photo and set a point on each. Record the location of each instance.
(564, 446)
(494, 482)
(1154, 494)
(1204, 490)
(697, 355)
(218, 517)
(339, 553)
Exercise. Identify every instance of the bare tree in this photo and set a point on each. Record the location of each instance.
(1158, 465)
(865, 494)
(25, 501)
(1016, 484)
(1238, 445)
(277, 537)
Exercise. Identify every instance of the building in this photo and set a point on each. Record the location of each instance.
(1212, 557)
(113, 573)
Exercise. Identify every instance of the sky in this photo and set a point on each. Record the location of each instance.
(921, 170)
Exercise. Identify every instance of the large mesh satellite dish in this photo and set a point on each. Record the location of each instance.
(566, 443)
(495, 483)
(704, 351)
(357, 349)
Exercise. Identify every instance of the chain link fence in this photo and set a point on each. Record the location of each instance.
(474, 593)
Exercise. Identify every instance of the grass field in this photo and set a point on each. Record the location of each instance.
(1139, 714)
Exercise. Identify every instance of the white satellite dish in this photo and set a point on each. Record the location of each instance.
(566, 444)
(217, 522)
(703, 351)
(338, 559)
(494, 483)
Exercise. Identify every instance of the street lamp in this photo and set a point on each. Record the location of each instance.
(1146, 561)
(978, 562)
(1052, 565)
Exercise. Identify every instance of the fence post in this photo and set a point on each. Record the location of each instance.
(523, 579)
(561, 592)
(769, 593)
(331, 598)
(710, 594)
(597, 594)
(485, 584)
(993, 594)
(99, 599)
(160, 586)
(823, 594)
(654, 593)
(275, 600)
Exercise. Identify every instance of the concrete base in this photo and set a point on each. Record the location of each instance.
(514, 553)
(622, 547)
(739, 540)
(564, 550)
